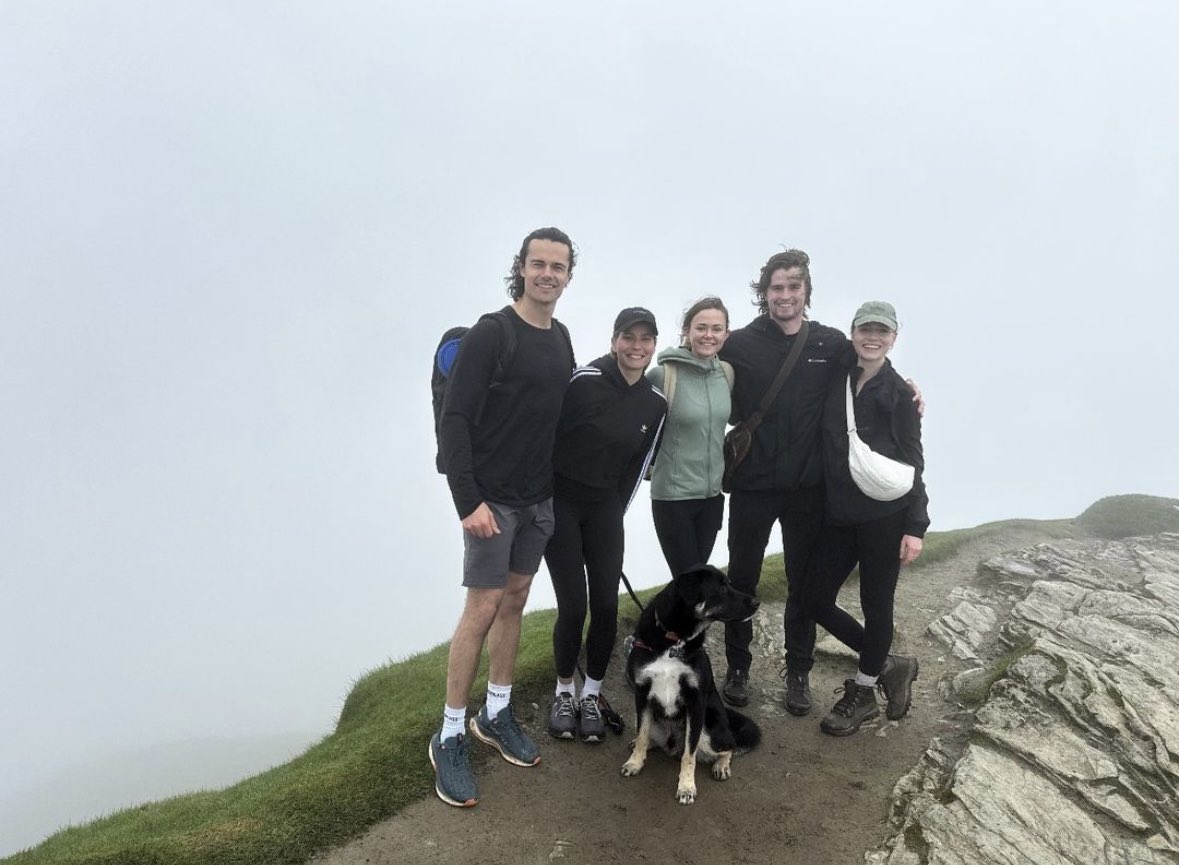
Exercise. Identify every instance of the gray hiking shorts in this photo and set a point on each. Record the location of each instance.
(524, 532)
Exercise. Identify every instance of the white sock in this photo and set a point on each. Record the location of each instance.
(454, 721)
(498, 697)
(591, 687)
(865, 681)
(565, 687)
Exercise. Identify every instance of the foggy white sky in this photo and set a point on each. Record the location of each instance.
(231, 233)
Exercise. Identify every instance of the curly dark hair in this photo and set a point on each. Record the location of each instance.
(778, 261)
(699, 306)
(515, 280)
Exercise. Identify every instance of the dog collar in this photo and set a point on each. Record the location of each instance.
(678, 642)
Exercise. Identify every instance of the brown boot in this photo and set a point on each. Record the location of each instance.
(897, 677)
(857, 705)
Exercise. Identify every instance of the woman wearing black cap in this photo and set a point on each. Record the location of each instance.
(609, 428)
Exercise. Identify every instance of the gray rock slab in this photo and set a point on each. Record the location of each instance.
(1074, 756)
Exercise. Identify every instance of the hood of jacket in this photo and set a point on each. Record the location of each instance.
(679, 354)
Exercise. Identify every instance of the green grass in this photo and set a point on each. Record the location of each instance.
(1118, 517)
(943, 545)
(370, 767)
(976, 695)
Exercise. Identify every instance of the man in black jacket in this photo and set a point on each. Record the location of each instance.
(781, 480)
(496, 435)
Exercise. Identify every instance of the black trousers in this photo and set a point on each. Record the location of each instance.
(687, 529)
(876, 546)
(584, 557)
(751, 519)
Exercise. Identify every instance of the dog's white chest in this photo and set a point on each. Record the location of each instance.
(666, 676)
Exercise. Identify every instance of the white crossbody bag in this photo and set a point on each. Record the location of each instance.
(877, 476)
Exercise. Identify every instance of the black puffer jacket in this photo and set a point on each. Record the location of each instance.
(608, 432)
(786, 455)
(887, 421)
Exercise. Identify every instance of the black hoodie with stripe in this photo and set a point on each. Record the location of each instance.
(608, 432)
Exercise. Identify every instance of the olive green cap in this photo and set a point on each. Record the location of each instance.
(876, 312)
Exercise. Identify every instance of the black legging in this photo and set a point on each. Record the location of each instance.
(876, 546)
(585, 550)
(687, 529)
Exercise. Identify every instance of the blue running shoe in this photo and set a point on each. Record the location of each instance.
(504, 734)
(454, 782)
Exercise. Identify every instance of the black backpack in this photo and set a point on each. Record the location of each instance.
(447, 351)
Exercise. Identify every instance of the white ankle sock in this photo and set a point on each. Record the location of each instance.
(591, 687)
(569, 687)
(454, 721)
(498, 697)
(865, 681)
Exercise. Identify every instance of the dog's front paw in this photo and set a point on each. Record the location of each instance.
(686, 795)
(722, 769)
(632, 767)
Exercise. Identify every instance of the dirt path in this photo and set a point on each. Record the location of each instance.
(802, 795)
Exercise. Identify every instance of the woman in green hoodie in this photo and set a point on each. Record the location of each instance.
(686, 497)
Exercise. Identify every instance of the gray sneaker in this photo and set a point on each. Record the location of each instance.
(563, 716)
(454, 782)
(504, 734)
(591, 727)
(896, 680)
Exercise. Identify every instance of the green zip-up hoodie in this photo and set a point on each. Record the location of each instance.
(690, 461)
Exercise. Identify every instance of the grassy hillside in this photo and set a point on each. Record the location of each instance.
(371, 766)
(1123, 516)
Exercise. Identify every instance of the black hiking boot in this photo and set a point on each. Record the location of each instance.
(896, 680)
(857, 705)
(798, 692)
(736, 689)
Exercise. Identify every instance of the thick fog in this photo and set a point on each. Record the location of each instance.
(231, 234)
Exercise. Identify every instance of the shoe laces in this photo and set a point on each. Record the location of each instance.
(458, 752)
(506, 721)
(785, 674)
(847, 703)
(566, 708)
(590, 710)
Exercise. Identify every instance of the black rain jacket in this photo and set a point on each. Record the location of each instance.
(887, 421)
(786, 455)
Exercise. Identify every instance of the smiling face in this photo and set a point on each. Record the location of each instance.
(786, 298)
(633, 348)
(545, 271)
(706, 333)
(872, 341)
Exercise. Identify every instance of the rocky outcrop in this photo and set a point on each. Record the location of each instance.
(1074, 756)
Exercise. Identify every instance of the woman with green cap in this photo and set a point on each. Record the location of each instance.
(871, 428)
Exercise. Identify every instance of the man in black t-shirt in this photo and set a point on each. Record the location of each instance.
(496, 435)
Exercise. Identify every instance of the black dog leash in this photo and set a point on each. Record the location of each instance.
(630, 591)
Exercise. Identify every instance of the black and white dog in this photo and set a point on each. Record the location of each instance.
(677, 705)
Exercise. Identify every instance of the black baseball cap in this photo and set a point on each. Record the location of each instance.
(633, 315)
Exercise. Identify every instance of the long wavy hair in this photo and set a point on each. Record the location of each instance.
(778, 261)
(515, 278)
